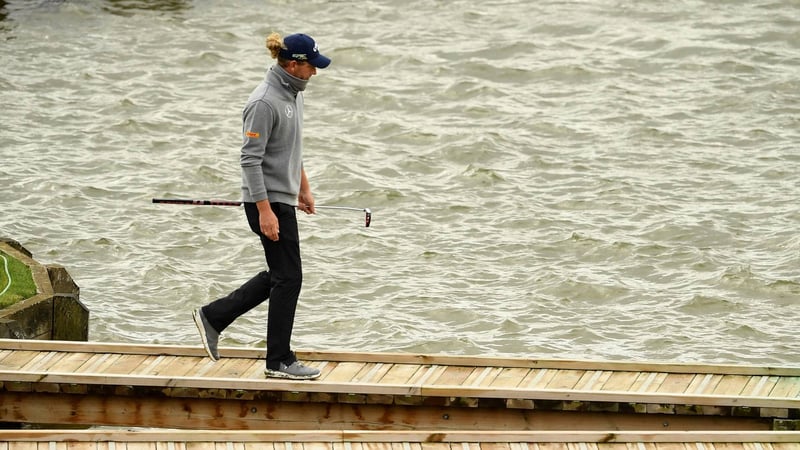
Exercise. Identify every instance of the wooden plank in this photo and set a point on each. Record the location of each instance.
(255, 371)
(70, 362)
(510, 377)
(232, 412)
(343, 372)
(786, 387)
(195, 446)
(592, 380)
(178, 366)
(399, 373)
(496, 446)
(601, 396)
(349, 445)
(317, 446)
(109, 364)
(231, 368)
(372, 372)
(127, 364)
(40, 360)
(148, 365)
(160, 364)
(426, 373)
(100, 347)
(483, 378)
(781, 446)
(369, 436)
(538, 379)
(400, 358)
(228, 376)
(620, 381)
(453, 376)
(702, 383)
(111, 446)
(18, 358)
(727, 385)
(565, 379)
(549, 446)
(675, 382)
(95, 362)
(757, 385)
(205, 366)
(672, 446)
(647, 380)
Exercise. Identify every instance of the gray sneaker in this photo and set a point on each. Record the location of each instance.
(295, 371)
(208, 334)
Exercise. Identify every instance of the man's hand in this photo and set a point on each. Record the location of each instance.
(305, 203)
(267, 220)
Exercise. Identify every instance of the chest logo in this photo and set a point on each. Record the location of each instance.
(289, 111)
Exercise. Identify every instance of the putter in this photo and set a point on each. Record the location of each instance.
(184, 201)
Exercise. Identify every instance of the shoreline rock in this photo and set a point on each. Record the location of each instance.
(55, 312)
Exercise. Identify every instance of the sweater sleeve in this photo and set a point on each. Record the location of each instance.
(256, 126)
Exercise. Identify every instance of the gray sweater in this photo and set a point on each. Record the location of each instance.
(272, 151)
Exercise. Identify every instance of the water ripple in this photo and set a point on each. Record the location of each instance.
(547, 179)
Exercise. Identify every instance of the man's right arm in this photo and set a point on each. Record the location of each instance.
(256, 127)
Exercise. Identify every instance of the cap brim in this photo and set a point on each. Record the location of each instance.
(320, 61)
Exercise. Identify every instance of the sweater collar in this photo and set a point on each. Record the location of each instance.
(288, 80)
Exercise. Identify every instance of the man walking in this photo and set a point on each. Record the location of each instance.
(274, 185)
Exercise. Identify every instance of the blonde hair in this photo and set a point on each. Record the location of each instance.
(275, 44)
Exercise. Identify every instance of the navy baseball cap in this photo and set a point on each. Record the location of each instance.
(301, 47)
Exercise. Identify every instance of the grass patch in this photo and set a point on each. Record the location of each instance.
(21, 283)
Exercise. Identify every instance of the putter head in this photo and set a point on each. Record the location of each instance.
(368, 217)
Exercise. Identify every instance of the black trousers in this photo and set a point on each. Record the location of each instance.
(280, 284)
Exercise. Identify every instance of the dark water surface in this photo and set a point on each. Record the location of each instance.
(559, 179)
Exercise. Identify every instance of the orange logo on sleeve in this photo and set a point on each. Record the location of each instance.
(253, 134)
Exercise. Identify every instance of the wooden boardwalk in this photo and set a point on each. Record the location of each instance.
(75, 383)
(383, 440)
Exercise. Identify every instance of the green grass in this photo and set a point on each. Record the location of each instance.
(22, 285)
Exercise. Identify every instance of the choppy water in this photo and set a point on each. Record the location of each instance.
(557, 179)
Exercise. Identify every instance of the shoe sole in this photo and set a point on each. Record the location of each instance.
(279, 374)
(202, 329)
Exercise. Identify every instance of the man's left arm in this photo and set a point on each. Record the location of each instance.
(305, 200)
